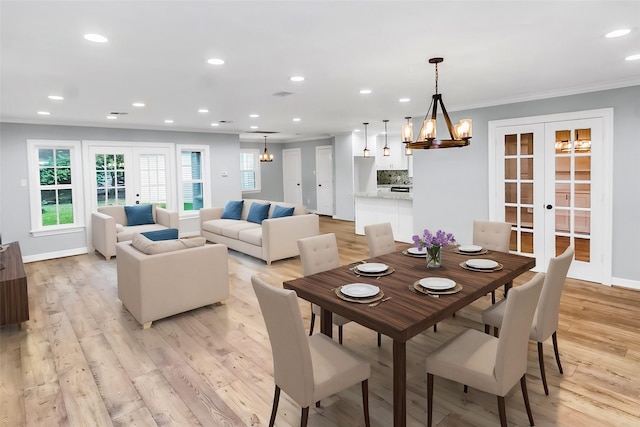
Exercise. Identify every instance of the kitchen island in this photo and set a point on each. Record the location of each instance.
(384, 205)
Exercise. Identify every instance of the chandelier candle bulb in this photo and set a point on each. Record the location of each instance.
(429, 129)
(407, 131)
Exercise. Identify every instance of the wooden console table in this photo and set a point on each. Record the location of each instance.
(14, 303)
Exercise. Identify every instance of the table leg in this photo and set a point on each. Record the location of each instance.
(399, 384)
(326, 322)
(507, 286)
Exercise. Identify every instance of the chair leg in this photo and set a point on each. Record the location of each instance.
(495, 332)
(435, 328)
(541, 363)
(525, 396)
(493, 297)
(365, 402)
(340, 334)
(465, 389)
(379, 339)
(318, 404)
(274, 409)
(555, 350)
(313, 322)
(486, 329)
(429, 399)
(502, 411)
(305, 417)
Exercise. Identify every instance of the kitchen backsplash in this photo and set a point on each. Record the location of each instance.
(394, 177)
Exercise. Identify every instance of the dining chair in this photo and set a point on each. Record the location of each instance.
(380, 239)
(494, 236)
(308, 369)
(545, 319)
(487, 363)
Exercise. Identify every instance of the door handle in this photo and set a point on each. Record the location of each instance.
(549, 207)
(298, 184)
(319, 185)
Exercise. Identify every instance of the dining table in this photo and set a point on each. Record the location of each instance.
(407, 312)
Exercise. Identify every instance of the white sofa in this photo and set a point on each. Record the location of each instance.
(162, 284)
(274, 239)
(109, 226)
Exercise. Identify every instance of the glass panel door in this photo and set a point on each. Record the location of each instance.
(110, 186)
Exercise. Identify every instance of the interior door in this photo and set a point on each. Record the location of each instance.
(324, 180)
(292, 175)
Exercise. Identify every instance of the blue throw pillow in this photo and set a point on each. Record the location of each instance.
(279, 212)
(139, 214)
(258, 212)
(233, 209)
(166, 234)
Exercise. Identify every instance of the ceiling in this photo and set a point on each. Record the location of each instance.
(495, 53)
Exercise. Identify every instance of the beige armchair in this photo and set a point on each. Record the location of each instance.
(155, 286)
(380, 239)
(487, 363)
(494, 236)
(308, 369)
(545, 320)
(109, 226)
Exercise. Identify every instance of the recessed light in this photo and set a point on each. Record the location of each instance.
(56, 97)
(296, 119)
(112, 117)
(618, 33)
(138, 104)
(254, 116)
(215, 124)
(44, 113)
(633, 57)
(168, 121)
(365, 91)
(296, 79)
(356, 130)
(253, 127)
(215, 61)
(96, 38)
(203, 110)
(404, 99)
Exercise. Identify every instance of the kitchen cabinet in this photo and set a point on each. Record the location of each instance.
(396, 211)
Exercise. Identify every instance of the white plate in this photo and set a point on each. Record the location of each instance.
(470, 248)
(372, 267)
(359, 290)
(416, 251)
(437, 283)
(482, 264)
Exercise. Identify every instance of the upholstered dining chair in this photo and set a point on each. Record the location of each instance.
(494, 236)
(308, 369)
(380, 239)
(320, 253)
(487, 363)
(545, 319)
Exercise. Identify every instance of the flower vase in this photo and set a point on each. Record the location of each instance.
(434, 256)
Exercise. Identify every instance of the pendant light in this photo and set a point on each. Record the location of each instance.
(385, 150)
(366, 151)
(265, 156)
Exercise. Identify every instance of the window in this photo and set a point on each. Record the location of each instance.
(194, 178)
(250, 170)
(55, 186)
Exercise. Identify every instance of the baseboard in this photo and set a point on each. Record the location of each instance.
(53, 255)
(632, 284)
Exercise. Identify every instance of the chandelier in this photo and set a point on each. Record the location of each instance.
(460, 133)
(265, 156)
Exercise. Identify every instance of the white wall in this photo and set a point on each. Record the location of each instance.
(343, 174)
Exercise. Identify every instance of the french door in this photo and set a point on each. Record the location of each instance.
(550, 183)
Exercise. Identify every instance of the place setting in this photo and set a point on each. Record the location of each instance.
(481, 265)
(415, 252)
(470, 250)
(436, 286)
(362, 293)
(372, 269)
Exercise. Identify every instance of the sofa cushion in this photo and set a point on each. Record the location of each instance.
(233, 209)
(258, 212)
(128, 232)
(215, 226)
(151, 247)
(232, 231)
(252, 236)
(166, 234)
(119, 228)
(139, 214)
(280, 212)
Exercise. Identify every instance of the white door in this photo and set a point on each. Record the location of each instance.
(324, 179)
(292, 175)
(550, 184)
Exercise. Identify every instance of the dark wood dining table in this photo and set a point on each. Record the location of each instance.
(407, 313)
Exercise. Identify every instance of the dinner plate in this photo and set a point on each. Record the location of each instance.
(359, 290)
(437, 283)
(469, 248)
(482, 264)
(416, 251)
(372, 267)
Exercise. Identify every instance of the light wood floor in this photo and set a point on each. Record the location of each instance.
(82, 360)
